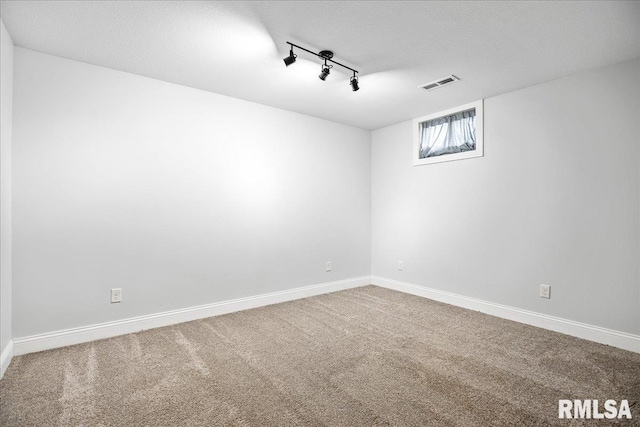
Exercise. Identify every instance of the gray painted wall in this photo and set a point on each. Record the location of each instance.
(6, 99)
(183, 197)
(179, 196)
(555, 200)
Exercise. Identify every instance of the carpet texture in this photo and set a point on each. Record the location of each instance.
(362, 357)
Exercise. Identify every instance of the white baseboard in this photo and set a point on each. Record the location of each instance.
(600, 335)
(73, 336)
(5, 358)
(83, 334)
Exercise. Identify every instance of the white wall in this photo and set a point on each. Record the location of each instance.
(184, 197)
(179, 196)
(554, 200)
(6, 97)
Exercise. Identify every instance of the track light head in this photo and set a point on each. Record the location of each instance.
(354, 83)
(326, 69)
(325, 72)
(290, 59)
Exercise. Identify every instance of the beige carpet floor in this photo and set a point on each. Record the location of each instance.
(362, 357)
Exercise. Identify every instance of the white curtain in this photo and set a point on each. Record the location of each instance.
(450, 134)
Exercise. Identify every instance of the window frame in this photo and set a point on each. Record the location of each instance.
(478, 152)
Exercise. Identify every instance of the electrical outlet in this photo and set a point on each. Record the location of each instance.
(328, 266)
(116, 295)
(400, 265)
(545, 291)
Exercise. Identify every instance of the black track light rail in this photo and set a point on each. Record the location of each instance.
(323, 57)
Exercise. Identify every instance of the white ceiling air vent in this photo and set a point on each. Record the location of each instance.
(439, 83)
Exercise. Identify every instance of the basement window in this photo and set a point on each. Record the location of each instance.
(453, 134)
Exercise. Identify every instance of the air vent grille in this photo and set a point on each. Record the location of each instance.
(439, 83)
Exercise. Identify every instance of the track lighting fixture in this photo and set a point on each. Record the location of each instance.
(291, 58)
(354, 82)
(326, 69)
(327, 55)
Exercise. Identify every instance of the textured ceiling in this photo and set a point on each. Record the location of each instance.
(236, 48)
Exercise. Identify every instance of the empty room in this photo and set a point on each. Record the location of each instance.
(319, 213)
